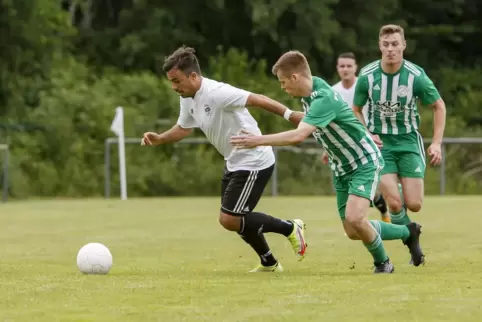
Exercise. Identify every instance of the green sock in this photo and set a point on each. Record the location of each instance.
(390, 231)
(377, 250)
(400, 218)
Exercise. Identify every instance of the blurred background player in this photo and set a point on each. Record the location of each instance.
(392, 86)
(354, 157)
(347, 67)
(219, 110)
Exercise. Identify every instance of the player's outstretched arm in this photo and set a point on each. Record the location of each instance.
(270, 105)
(292, 137)
(174, 134)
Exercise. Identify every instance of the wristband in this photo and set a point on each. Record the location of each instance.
(287, 114)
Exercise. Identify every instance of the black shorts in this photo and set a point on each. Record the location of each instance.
(241, 190)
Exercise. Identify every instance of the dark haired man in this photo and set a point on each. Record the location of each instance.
(219, 110)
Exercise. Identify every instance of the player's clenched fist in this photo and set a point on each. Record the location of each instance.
(150, 138)
(377, 140)
(324, 158)
(435, 152)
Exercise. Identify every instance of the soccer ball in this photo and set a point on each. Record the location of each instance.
(94, 258)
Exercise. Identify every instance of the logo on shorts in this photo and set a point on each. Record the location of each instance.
(361, 188)
(260, 230)
(207, 109)
(192, 111)
(418, 169)
(402, 91)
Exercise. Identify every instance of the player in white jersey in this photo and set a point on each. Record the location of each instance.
(219, 110)
(346, 67)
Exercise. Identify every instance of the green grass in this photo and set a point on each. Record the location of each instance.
(174, 262)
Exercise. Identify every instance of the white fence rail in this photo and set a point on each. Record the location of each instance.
(274, 185)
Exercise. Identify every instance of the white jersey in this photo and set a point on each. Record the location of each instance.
(219, 110)
(348, 94)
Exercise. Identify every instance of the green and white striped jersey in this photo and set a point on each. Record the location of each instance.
(343, 136)
(392, 98)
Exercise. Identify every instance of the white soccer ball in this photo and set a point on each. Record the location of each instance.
(94, 258)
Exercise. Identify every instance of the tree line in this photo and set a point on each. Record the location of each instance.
(66, 64)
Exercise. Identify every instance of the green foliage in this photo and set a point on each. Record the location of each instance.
(67, 68)
(33, 34)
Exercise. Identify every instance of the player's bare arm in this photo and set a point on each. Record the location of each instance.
(360, 99)
(435, 149)
(270, 105)
(359, 115)
(357, 110)
(174, 134)
(291, 137)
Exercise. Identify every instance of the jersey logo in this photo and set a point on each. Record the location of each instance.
(389, 108)
(192, 111)
(376, 88)
(207, 109)
(402, 91)
(388, 104)
(318, 135)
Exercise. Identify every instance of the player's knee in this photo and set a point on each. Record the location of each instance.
(394, 203)
(352, 234)
(354, 221)
(414, 205)
(229, 222)
(349, 229)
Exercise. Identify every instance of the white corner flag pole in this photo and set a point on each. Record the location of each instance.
(118, 128)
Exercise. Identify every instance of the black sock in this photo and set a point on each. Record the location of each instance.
(260, 246)
(258, 223)
(380, 204)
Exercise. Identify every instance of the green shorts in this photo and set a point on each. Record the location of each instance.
(403, 154)
(363, 182)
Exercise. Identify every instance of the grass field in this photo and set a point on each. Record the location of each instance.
(174, 262)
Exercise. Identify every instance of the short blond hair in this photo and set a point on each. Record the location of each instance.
(390, 30)
(290, 63)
